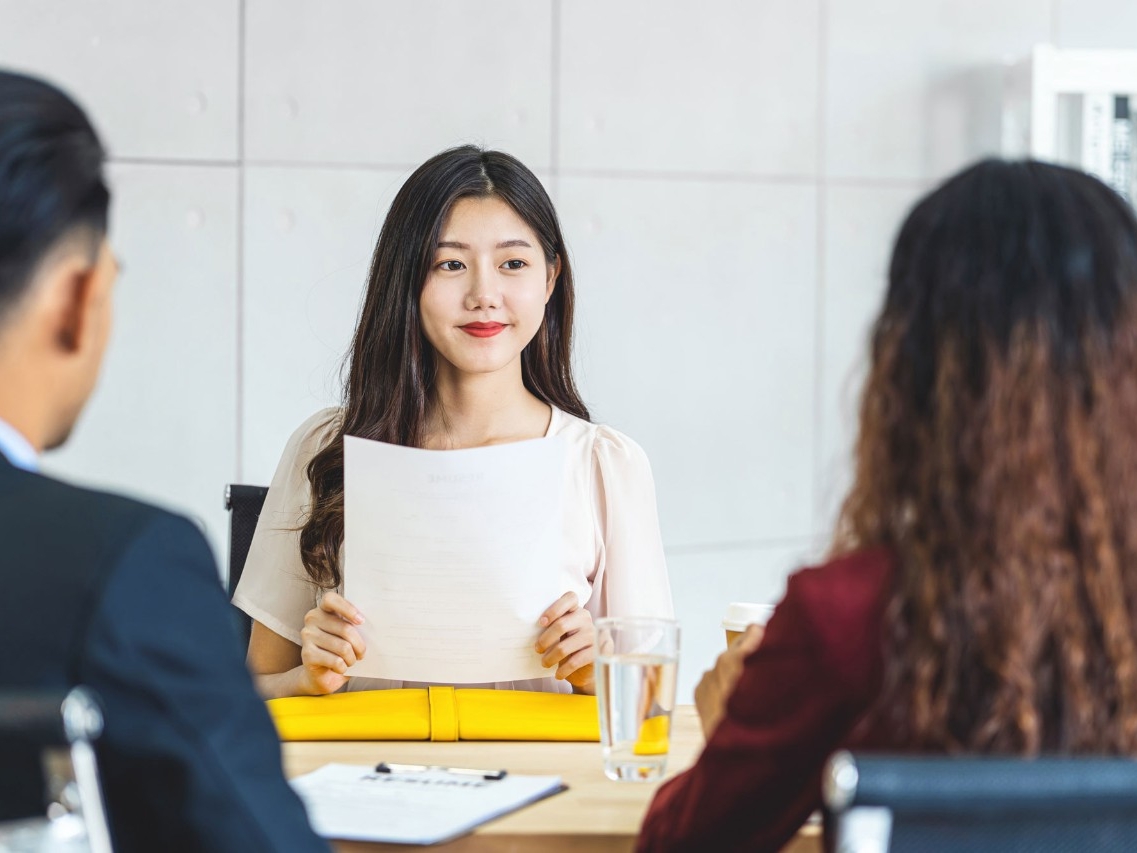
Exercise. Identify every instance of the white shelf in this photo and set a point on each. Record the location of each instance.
(1044, 96)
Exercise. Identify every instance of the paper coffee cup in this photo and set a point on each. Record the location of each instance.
(740, 614)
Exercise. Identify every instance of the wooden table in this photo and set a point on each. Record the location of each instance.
(594, 814)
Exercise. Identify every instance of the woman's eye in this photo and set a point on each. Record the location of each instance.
(515, 264)
(450, 266)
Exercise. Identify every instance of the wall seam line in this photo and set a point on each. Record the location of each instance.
(240, 313)
(555, 95)
(819, 349)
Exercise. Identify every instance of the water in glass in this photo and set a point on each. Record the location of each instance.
(636, 693)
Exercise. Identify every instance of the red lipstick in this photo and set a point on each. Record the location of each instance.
(482, 330)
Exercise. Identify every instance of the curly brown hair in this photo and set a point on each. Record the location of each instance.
(997, 460)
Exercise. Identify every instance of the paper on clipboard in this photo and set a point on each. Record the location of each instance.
(452, 556)
(356, 804)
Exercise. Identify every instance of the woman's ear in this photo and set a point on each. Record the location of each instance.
(554, 274)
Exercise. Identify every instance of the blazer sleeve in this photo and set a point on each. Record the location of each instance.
(759, 776)
(189, 757)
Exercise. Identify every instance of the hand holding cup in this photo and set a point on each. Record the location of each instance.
(717, 684)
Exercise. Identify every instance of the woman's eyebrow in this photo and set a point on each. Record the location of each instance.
(506, 244)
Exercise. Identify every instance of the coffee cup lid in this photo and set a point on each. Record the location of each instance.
(739, 614)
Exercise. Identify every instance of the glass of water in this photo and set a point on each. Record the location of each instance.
(636, 663)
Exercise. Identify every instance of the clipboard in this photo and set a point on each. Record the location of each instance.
(427, 805)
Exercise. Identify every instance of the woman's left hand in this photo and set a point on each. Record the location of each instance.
(568, 642)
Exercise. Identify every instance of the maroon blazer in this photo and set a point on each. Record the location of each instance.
(817, 671)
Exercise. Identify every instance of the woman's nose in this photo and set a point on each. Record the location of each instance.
(483, 291)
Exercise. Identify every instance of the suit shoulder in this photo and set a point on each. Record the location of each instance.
(104, 522)
(66, 544)
(113, 505)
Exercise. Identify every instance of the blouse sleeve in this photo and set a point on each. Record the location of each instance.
(275, 588)
(631, 579)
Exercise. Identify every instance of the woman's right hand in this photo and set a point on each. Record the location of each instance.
(330, 643)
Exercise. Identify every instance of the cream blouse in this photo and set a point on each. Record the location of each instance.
(613, 554)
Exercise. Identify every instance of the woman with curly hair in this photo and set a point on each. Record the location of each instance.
(981, 594)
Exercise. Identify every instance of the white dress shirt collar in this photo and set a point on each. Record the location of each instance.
(17, 449)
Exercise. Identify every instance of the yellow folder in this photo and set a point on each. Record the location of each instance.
(437, 713)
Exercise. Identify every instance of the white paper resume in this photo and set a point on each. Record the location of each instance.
(349, 802)
(452, 556)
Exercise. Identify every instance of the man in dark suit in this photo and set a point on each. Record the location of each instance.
(100, 590)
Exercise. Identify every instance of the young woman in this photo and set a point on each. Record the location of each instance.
(983, 592)
(464, 340)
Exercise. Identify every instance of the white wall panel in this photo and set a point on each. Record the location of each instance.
(705, 582)
(913, 90)
(728, 87)
(309, 234)
(392, 83)
(696, 338)
(1108, 24)
(160, 79)
(861, 224)
(162, 423)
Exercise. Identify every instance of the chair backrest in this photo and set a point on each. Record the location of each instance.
(41, 722)
(244, 504)
(896, 804)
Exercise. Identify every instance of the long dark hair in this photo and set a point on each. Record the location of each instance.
(51, 179)
(997, 460)
(391, 369)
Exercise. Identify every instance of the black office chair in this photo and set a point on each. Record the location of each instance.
(48, 739)
(244, 504)
(892, 804)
